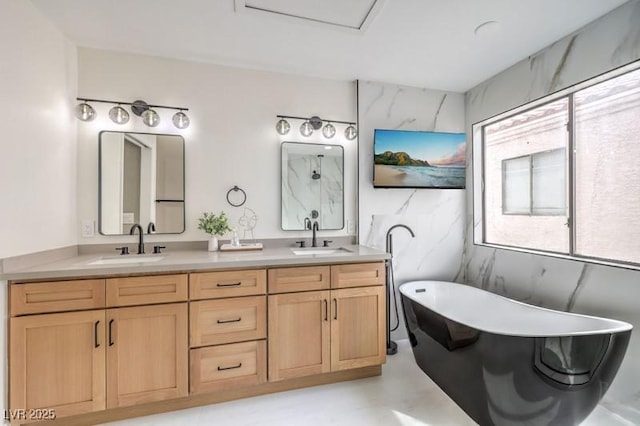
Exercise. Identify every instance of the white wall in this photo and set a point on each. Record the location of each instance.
(231, 140)
(38, 144)
(435, 215)
(609, 42)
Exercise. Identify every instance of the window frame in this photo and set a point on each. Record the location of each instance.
(478, 164)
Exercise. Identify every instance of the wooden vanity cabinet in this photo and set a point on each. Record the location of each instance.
(58, 362)
(228, 328)
(90, 360)
(313, 332)
(147, 353)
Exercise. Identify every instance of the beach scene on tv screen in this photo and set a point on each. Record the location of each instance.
(416, 159)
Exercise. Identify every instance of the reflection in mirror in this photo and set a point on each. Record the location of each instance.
(312, 186)
(141, 181)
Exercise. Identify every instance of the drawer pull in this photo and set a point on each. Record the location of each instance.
(326, 314)
(228, 321)
(96, 344)
(229, 285)
(110, 332)
(229, 368)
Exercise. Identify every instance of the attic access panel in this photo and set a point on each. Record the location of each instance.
(351, 15)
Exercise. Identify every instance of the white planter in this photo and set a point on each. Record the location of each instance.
(213, 244)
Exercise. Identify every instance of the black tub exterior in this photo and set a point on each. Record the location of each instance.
(510, 380)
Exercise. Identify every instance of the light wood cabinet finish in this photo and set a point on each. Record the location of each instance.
(215, 285)
(146, 354)
(146, 290)
(219, 368)
(305, 278)
(357, 275)
(58, 362)
(298, 335)
(60, 296)
(214, 322)
(358, 327)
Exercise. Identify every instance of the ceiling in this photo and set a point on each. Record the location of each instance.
(425, 43)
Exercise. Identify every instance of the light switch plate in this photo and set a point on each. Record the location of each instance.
(88, 228)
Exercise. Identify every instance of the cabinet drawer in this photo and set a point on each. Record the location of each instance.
(146, 290)
(357, 275)
(57, 296)
(223, 367)
(215, 285)
(214, 322)
(306, 278)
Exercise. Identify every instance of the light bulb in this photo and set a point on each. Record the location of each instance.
(119, 115)
(350, 132)
(181, 120)
(306, 129)
(150, 118)
(85, 112)
(283, 126)
(328, 131)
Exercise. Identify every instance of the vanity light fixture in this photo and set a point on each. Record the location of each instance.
(119, 115)
(85, 112)
(314, 123)
(328, 131)
(283, 126)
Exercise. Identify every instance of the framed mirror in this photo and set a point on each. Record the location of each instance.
(141, 182)
(312, 182)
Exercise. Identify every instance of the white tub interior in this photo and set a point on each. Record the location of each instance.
(492, 313)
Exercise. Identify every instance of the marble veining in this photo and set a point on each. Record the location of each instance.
(584, 274)
(555, 80)
(435, 117)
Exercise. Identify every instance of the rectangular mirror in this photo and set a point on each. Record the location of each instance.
(312, 186)
(141, 181)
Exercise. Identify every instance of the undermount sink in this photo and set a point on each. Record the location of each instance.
(134, 258)
(320, 250)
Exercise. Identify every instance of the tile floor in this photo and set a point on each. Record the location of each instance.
(402, 396)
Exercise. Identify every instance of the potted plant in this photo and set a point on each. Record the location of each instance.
(214, 225)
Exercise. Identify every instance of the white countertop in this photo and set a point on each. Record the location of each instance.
(192, 260)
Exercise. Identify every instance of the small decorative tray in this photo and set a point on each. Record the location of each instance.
(242, 246)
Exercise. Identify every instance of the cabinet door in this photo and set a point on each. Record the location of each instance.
(357, 327)
(299, 334)
(146, 354)
(58, 361)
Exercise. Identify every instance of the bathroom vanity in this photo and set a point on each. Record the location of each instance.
(92, 339)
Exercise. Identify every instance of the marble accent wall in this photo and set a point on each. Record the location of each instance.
(435, 215)
(607, 43)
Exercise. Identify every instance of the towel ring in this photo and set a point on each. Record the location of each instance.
(236, 189)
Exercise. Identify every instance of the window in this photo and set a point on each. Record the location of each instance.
(563, 175)
(535, 184)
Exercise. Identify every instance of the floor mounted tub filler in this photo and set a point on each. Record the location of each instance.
(509, 363)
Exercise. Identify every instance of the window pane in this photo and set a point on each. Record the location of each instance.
(607, 141)
(549, 183)
(517, 185)
(537, 130)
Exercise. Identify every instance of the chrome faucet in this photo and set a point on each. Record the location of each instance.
(140, 240)
(314, 241)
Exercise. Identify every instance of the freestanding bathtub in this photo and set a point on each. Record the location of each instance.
(509, 363)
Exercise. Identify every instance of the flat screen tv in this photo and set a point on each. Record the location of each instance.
(416, 159)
